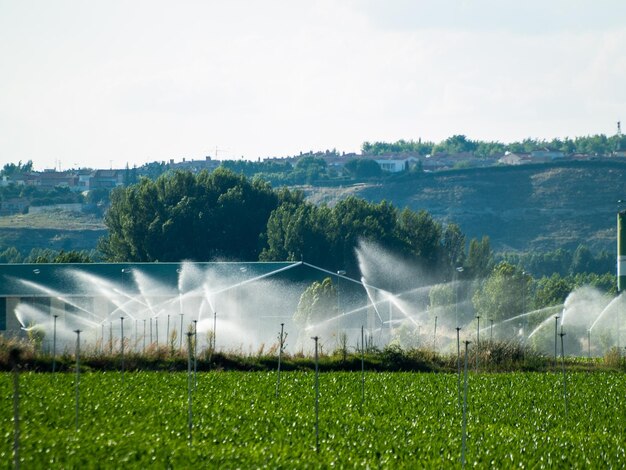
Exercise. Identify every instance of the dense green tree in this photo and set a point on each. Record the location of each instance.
(317, 304)
(551, 290)
(11, 255)
(479, 258)
(185, 216)
(363, 168)
(504, 294)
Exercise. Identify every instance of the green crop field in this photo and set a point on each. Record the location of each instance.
(408, 420)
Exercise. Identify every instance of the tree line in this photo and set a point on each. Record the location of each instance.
(598, 144)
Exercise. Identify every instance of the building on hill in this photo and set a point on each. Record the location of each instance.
(106, 179)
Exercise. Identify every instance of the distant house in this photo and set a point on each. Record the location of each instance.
(393, 164)
(511, 158)
(53, 179)
(546, 155)
(195, 166)
(106, 179)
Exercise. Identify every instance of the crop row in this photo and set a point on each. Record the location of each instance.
(406, 420)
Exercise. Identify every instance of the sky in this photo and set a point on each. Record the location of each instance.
(106, 83)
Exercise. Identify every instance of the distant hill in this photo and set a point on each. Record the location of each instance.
(521, 208)
(526, 207)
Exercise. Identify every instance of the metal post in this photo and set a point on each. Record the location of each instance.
(14, 357)
(564, 375)
(144, 335)
(156, 331)
(464, 425)
(435, 336)
(182, 315)
(195, 353)
(77, 374)
(167, 332)
(491, 331)
(362, 366)
(280, 354)
(214, 331)
(54, 345)
(317, 397)
(589, 344)
(458, 360)
(111, 337)
(122, 346)
(189, 378)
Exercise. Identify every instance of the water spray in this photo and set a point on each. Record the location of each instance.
(54, 344)
(317, 397)
(77, 374)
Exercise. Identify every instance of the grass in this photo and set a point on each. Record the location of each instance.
(493, 357)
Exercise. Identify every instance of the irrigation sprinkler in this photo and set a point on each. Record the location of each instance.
(122, 345)
(556, 327)
(14, 358)
(435, 336)
(564, 375)
(102, 341)
(477, 339)
(189, 379)
(458, 360)
(195, 354)
(144, 335)
(77, 374)
(54, 344)
(111, 338)
(317, 397)
(136, 335)
(589, 344)
(491, 331)
(151, 340)
(156, 331)
(281, 345)
(464, 426)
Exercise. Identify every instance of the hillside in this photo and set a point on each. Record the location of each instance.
(529, 207)
(55, 229)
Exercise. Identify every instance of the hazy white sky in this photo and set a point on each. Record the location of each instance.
(95, 83)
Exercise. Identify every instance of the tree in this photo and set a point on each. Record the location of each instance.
(551, 291)
(317, 303)
(479, 258)
(504, 293)
(218, 215)
(363, 168)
